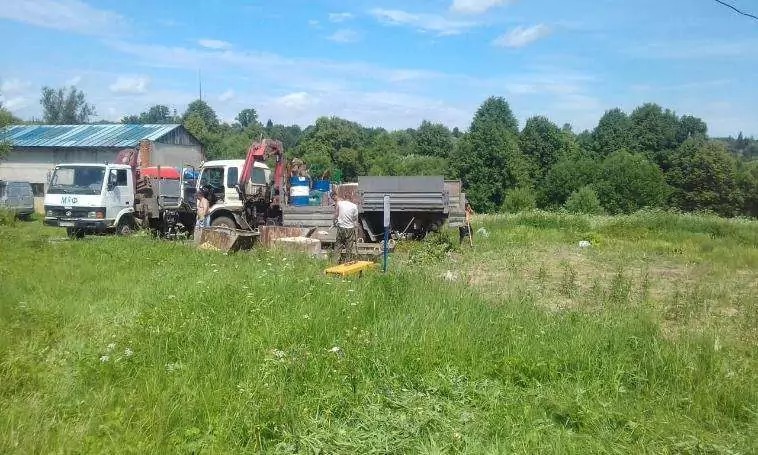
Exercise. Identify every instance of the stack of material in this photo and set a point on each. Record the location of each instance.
(299, 244)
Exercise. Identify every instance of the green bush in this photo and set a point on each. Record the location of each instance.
(584, 200)
(435, 248)
(7, 217)
(519, 200)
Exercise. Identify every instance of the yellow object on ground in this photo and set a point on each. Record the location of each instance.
(350, 268)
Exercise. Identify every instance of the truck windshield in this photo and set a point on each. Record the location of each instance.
(77, 180)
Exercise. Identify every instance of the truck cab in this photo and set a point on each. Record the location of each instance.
(90, 198)
(222, 177)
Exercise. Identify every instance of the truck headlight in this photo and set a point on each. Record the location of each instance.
(91, 215)
(49, 213)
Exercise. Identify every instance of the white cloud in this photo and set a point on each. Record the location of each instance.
(214, 44)
(16, 103)
(314, 23)
(130, 84)
(340, 17)
(522, 36)
(298, 101)
(422, 22)
(14, 86)
(476, 6)
(74, 80)
(345, 35)
(68, 15)
(226, 96)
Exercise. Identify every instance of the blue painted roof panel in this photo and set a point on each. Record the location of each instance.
(118, 135)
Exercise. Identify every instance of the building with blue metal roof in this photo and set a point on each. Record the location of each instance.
(36, 149)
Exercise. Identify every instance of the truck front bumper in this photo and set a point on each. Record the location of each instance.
(87, 225)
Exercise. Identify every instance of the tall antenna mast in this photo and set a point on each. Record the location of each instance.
(200, 84)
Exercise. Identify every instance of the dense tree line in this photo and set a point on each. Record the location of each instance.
(648, 158)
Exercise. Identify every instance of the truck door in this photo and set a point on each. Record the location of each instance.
(213, 177)
(231, 196)
(119, 192)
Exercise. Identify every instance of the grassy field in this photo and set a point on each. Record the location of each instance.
(643, 343)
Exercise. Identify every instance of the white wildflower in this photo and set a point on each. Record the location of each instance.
(171, 367)
(104, 358)
(128, 352)
(337, 350)
(111, 346)
(306, 316)
(171, 296)
(278, 353)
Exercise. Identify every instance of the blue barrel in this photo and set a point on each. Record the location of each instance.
(322, 185)
(299, 191)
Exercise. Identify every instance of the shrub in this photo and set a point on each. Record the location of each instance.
(519, 200)
(435, 247)
(7, 217)
(584, 200)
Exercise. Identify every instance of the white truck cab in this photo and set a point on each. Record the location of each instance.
(222, 177)
(90, 198)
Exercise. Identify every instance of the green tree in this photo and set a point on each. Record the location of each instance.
(655, 132)
(433, 139)
(201, 109)
(6, 118)
(349, 160)
(748, 180)
(332, 134)
(629, 182)
(690, 126)
(247, 117)
(584, 200)
(566, 176)
(707, 179)
(519, 199)
(488, 159)
(65, 106)
(613, 133)
(541, 142)
(494, 112)
(422, 165)
(156, 114)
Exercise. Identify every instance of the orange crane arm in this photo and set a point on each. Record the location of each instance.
(260, 151)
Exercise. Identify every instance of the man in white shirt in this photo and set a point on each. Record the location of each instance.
(346, 220)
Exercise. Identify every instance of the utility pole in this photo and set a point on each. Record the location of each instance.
(200, 84)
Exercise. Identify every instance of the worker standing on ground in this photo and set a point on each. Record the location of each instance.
(465, 230)
(346, 220)
(202, 209)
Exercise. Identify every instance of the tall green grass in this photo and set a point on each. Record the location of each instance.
(135, 345)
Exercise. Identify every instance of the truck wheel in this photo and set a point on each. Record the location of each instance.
(125, 226)
(223, 221)
(74, 233)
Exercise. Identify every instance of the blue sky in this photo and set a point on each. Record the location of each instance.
(388, 63)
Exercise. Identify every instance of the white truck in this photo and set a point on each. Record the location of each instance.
(90, 198)
(221, 177)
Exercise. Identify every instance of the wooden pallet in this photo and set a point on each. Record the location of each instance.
(350, 268)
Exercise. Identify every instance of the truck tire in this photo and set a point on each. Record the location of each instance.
(223, 221)
(125, 226)
(74, 233)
